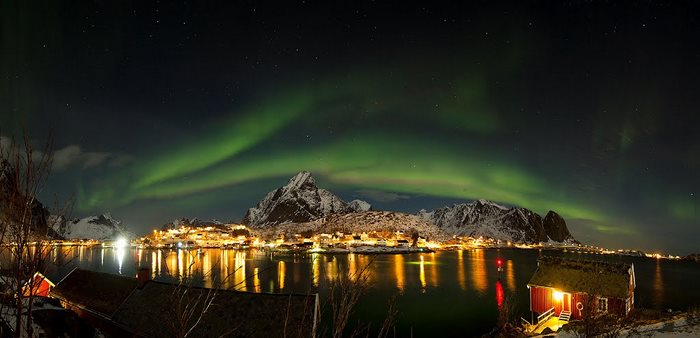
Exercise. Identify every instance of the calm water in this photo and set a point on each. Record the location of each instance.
(450, 293)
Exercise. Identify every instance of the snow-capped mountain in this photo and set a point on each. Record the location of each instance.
(102, 227)
(300, 200)
(301, 206)
(359, 205)
(488, 219)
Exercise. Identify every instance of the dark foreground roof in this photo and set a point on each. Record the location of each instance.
(151, 311)
(594, 277)
(101, 292)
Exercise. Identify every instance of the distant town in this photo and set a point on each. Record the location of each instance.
(239, 237)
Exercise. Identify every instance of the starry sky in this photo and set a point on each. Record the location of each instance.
(170, 109)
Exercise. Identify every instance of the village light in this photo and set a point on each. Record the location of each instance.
(120, 243)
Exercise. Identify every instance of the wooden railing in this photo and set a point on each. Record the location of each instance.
(545, 315)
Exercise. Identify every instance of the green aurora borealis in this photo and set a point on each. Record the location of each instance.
(567, 108)
(245, 148)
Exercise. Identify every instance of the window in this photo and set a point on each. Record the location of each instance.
(602, 305)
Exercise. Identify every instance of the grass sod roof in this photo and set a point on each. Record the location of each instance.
(232, 314)
(606, 279)
(98, 291)
(149, 311)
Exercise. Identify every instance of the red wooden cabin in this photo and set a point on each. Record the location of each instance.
(564, 285)
(39, 285)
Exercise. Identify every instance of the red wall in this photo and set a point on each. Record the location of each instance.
(41, 287)
(575, 299)
(541, 300)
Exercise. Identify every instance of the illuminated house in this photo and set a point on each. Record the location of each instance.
(37, 286)
(562, 286)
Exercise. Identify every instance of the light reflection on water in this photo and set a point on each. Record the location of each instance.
(461, 279)
(422, 273)
(455, 285)
(315, 261)
(399, 274)
(281, 270)
(658, 286)
(119, 256)
(510, 275)
(478, 263)
(433, 270)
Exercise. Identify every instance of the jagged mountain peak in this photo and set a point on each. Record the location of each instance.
(359, 205)
(490, 203)
(302, 180)
(300, 200)
(555, 227)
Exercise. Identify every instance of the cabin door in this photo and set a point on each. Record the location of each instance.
(566, 302)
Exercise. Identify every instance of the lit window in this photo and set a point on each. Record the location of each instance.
(602, 305)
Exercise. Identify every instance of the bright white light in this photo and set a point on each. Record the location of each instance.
(121, 243)
(558, 296)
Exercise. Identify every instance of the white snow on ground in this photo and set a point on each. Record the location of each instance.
(675, 328)
(680, 327)
(9, 315)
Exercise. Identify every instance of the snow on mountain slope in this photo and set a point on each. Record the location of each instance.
(390, 221)
(102, 227)
(300, 200)
(301, 206)
(359, 205)
(488, 219)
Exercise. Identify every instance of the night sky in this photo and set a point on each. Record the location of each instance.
(162, 110)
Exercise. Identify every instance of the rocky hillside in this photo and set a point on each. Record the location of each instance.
(191, 222)
(102, 227)
(555, 228)
(692, 257)
(358, 222)
(299, 201)
(9, 191)
(488, 219)
(389, 221)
